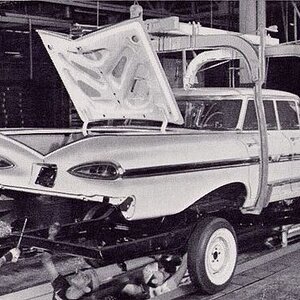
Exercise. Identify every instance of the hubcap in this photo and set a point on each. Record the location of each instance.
(220, 256)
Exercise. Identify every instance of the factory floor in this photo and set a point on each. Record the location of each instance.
(270, 276)
(260, 275)
(17, 279)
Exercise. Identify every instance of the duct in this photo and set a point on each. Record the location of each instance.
(235, 42)
(203, 58)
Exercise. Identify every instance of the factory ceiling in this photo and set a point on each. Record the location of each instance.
(61, 13)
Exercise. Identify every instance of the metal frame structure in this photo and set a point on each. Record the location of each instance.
(114, 242)
(254, 60)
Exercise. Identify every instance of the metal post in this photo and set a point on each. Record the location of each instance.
(97, 14)
(30, 50)
(287, 20)
(284, 21)
(262, 33)
(284, 235)
(211, 13)
(183, 63)
(296, 8)
(262, 194)
(247, 24)
(295, 25)
(296, 13)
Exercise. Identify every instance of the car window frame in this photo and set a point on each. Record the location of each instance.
(297, 112)
(187, 100)
(271, 99)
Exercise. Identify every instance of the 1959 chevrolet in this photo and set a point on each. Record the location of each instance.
(196, 170)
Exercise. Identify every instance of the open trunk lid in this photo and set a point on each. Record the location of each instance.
(113, 73)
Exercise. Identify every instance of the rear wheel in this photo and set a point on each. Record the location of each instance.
(212, 254)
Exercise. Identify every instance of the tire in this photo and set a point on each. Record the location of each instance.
(212, 255)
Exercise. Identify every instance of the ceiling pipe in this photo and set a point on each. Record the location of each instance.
(202, 59)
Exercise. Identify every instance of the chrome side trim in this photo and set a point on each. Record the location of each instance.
(190, 167)
(295, 180)
(200, 166)
(280, 182)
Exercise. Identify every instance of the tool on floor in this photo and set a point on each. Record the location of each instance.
(13, 254)
(22, 233)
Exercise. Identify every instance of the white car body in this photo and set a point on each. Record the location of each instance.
(164, 172)
(158, 171)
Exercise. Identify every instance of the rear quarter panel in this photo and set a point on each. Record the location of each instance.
(157, 195)
(22, 157)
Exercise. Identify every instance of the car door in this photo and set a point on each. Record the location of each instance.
(288, 112)
(279, 151)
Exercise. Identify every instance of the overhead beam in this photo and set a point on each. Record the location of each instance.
(35, 20)
(285, 50)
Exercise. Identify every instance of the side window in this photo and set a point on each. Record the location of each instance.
(190, 111)
(208, 114)
(287, 111)
(250, 122)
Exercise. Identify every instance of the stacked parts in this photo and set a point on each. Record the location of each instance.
(16, 106)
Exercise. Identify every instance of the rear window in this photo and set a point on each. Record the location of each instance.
(210, 114)
(287, 111)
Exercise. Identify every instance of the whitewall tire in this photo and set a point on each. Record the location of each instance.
(212, 254)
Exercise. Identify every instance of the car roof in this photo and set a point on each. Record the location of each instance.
(223, 91)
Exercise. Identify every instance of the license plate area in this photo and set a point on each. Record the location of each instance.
(47, 175)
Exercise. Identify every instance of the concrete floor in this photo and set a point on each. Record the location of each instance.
(271, 276)
(282, 282)
(29, 272)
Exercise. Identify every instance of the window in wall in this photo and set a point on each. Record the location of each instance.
(287, 111)
(250, 122)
